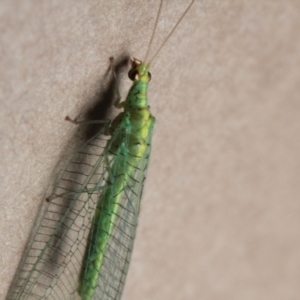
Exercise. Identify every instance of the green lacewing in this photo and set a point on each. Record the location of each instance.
(83, 244)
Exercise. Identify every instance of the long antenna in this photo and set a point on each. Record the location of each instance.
(154, 30)
(171, 32)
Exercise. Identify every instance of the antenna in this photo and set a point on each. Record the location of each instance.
(171, 32)
(154, 30)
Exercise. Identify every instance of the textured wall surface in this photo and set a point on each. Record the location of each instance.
(220, 212)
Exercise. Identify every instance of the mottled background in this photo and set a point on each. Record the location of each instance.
(220, 214)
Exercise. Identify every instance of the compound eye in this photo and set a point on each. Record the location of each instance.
(149, 75)
(133, 74)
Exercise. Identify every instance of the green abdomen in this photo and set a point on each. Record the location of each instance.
(103, 225)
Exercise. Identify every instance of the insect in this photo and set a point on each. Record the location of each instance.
(82, 246)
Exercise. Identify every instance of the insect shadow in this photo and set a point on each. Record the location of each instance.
(79, 168)
(56, 247)
(105, 98)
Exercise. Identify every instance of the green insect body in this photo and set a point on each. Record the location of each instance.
(131, 150)
(78, 259)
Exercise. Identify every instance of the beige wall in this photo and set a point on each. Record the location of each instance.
(221, 212)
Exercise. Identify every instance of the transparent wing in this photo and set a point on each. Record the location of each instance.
(118, 252)
(51, 267)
